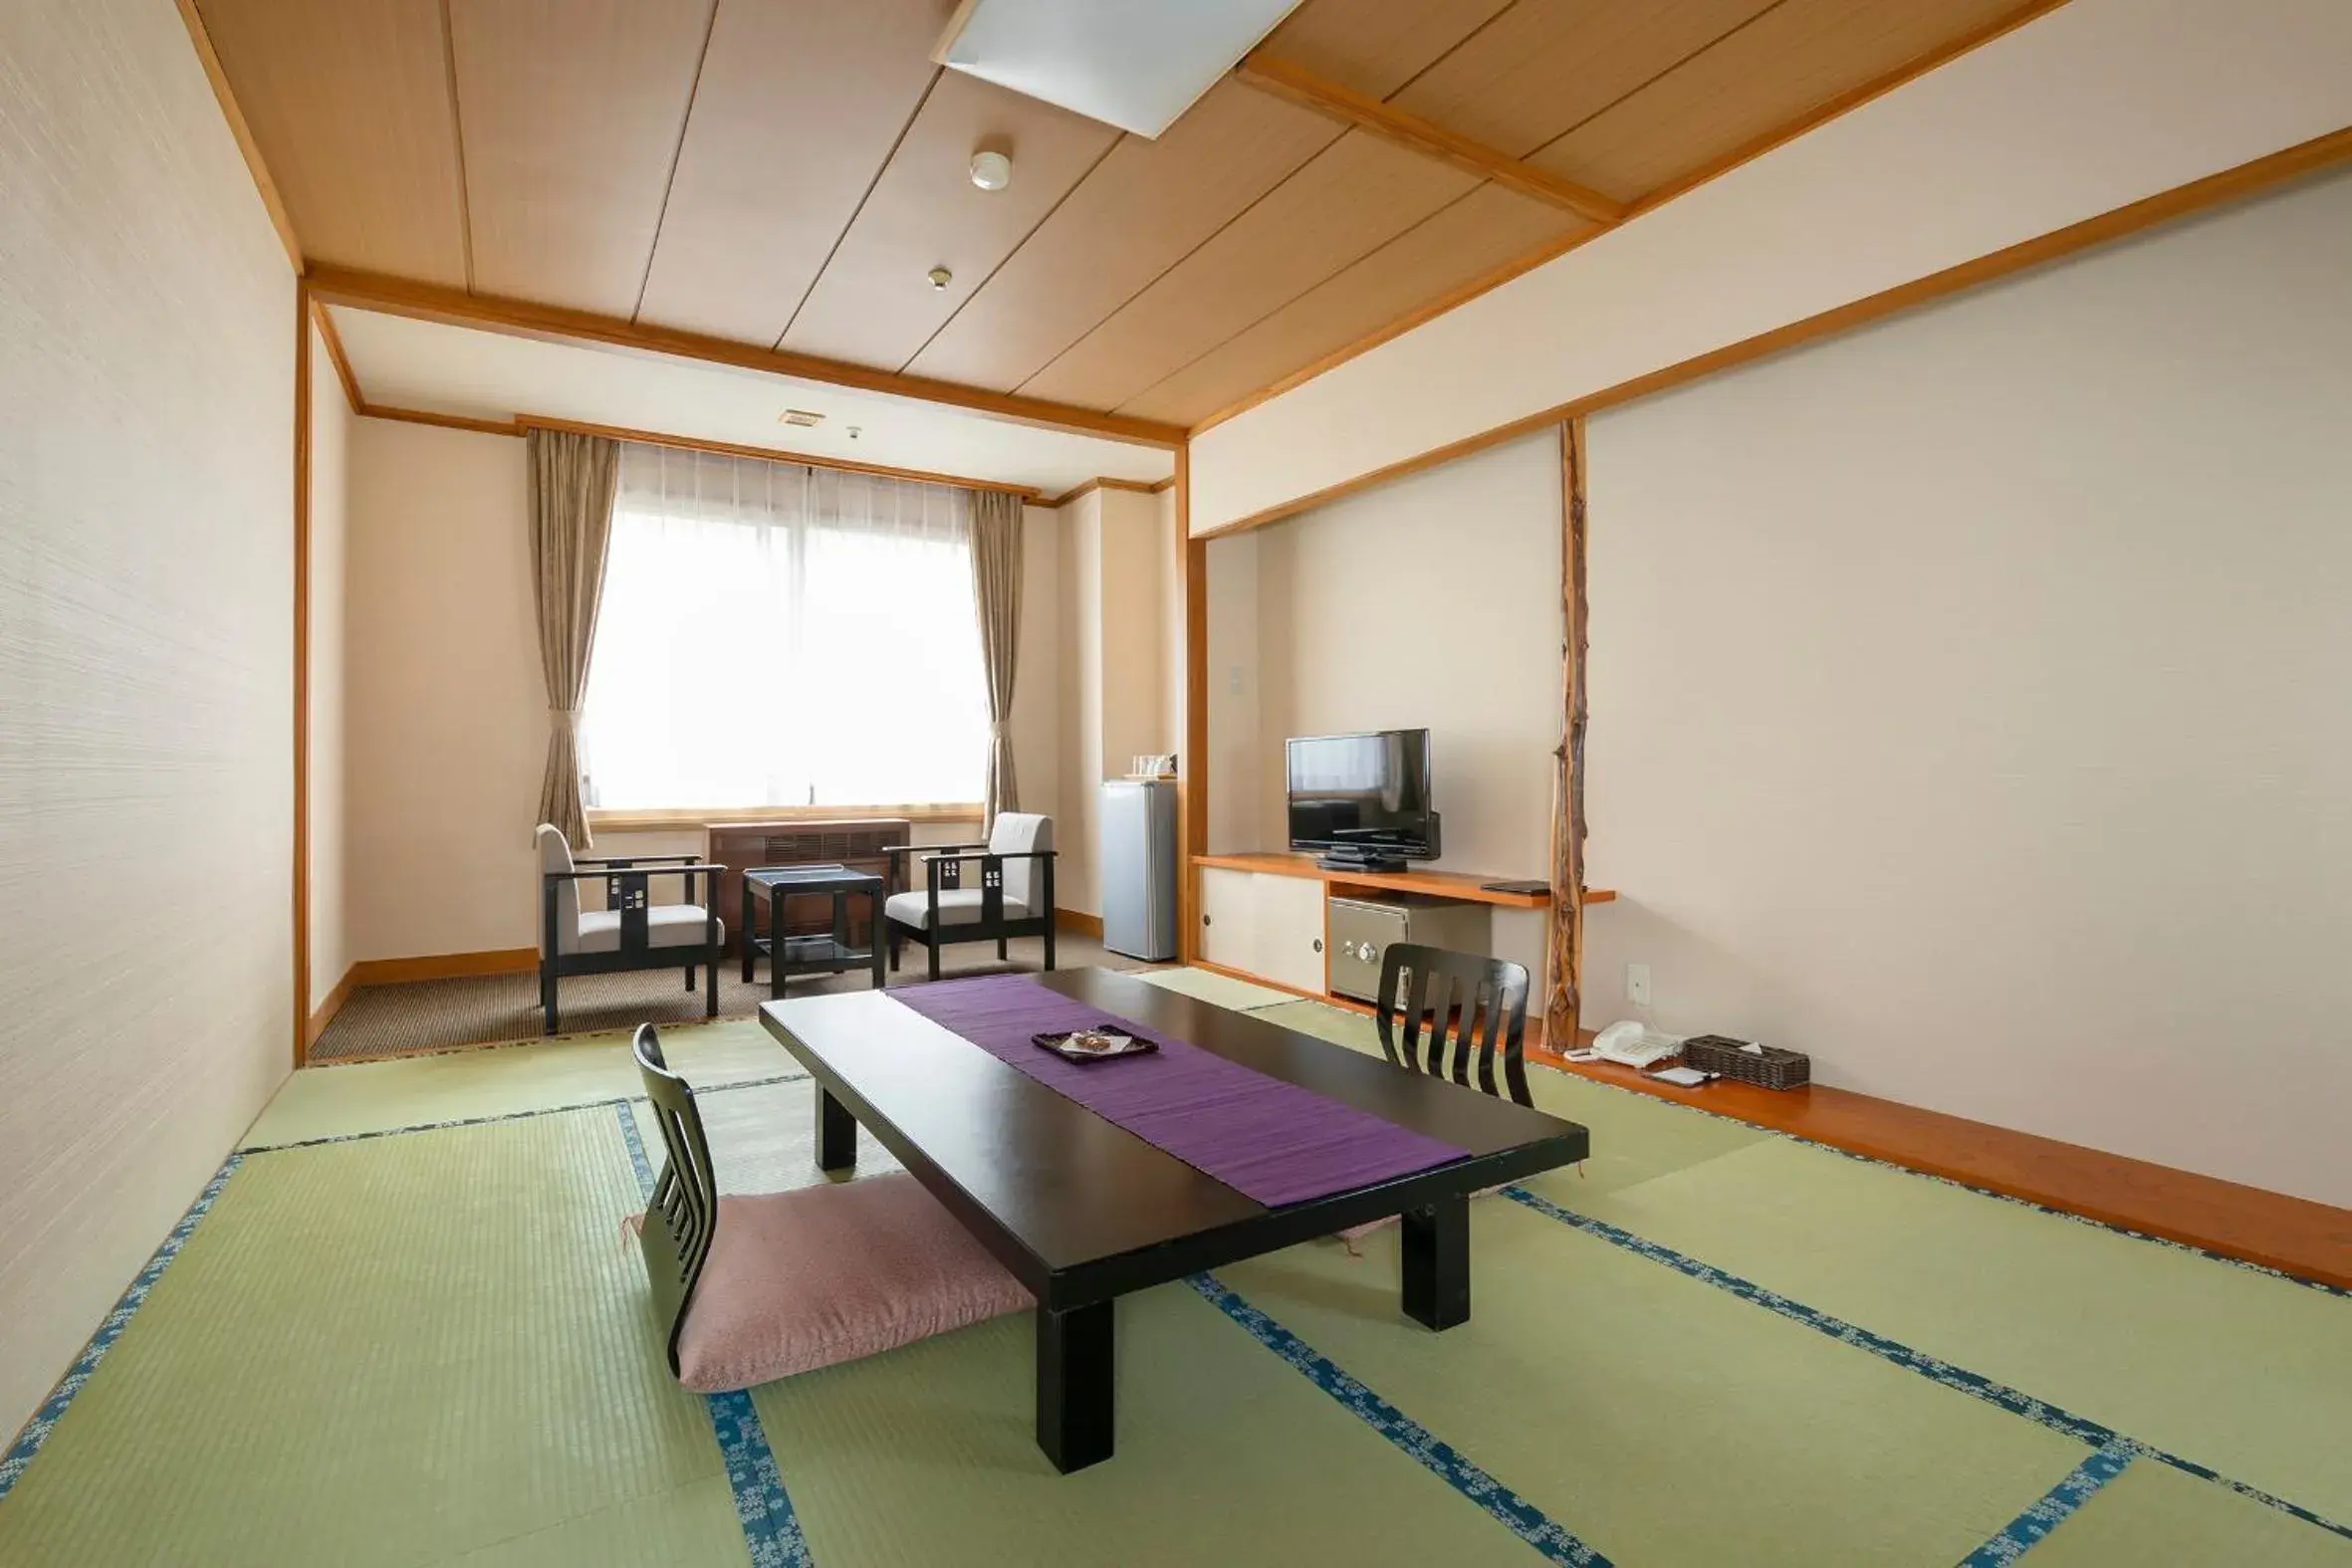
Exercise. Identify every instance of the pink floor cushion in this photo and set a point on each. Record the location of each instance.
(828, 1273)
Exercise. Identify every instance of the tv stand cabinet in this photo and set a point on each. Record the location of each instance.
(1267, 916)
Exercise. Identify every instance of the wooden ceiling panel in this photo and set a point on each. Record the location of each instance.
(349, 105)
(1451, 251)
(800, 104)
(571, 112)
(1349, 200)
(1145, 207)
(1377, 46)
(1792, 59)
(1545, 67)
(875, 304)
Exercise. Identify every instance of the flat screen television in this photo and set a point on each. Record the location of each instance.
(1361, 802)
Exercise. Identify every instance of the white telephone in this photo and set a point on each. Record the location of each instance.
(1635, 1045)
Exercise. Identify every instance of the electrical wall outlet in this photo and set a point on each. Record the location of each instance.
(1637, 985)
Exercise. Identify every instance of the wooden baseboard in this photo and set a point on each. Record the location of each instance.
(2294, 1235)
(443, 966)
(1083, 924)
(324, 1012)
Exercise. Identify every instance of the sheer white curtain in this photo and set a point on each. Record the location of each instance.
(774, 635)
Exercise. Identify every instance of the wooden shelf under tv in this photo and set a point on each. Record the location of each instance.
(1461, 885)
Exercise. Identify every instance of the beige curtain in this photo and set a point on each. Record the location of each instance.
(995, 591)
(572, 478)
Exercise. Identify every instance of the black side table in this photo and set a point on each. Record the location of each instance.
(825, 954)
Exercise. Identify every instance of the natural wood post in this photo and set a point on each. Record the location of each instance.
(1564, 924)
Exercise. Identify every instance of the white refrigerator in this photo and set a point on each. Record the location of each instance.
(1137, 855)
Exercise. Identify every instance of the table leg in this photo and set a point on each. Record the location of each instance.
(743, 935)
(836, 1133)
(1437, 1263)
(841, 927)
(874, 936)
(1075, 1385)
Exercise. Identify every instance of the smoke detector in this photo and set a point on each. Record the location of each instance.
(991, 169)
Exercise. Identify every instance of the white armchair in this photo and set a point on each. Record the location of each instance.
(631, 931)
(1014, 896)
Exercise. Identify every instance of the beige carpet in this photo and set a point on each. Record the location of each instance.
(442, 1015)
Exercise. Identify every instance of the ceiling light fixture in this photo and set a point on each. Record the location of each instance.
(941, 277)
(991, 169)
(1133, 63)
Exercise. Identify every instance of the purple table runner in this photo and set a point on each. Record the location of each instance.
(1270, 1140)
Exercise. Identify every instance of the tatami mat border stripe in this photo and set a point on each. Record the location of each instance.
(28, 1442)
(2057, 1418)
(506, 1116)
(2027, 1529)
(1522, 1518)
(771, 1530)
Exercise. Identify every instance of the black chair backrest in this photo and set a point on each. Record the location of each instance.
(1471, 1004)
(676, 1235)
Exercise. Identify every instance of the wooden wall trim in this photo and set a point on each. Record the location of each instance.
(519, 423)
(1192, 763)
(336, 357)
(2233, 184)
(1552, 250)
(426, 416)
(1296, 84)
(772, 455)
(324, 1012)
(522, 319)
(444, 965)
(1079, 920)
(302, 672)
(263, 184)
(1141, 487)
(1564, 922)
(2311, 1241)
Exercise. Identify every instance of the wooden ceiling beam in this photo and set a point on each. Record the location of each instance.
(519, 317)
(1304, 87)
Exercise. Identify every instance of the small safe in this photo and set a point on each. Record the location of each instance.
(1363, 928)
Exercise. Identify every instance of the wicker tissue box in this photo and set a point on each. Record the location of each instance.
(1723, 1056)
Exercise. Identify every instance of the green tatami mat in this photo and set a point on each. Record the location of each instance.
(2155, 1514)
(1669, 1423)
(2248, 1374)
(393, 1351)
(498, 1080)
(1211, 986)
(762, 1138)
(928, 1457)
(1633, 1136)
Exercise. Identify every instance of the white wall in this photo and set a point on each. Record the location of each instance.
(1121, 677)
(1432, 602)
(2077, 113)
(147, 684)
(330, 433)
(1968, 701)
(447, 711)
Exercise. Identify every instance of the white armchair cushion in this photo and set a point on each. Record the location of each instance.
(958, 906)
(554, 854)
(1017, 832)
(666, 926)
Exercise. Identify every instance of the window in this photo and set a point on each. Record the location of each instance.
(772, 634)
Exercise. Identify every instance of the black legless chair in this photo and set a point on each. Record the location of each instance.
(684, 1210)
(1452, 1014)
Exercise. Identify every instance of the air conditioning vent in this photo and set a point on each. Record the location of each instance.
(799, 418)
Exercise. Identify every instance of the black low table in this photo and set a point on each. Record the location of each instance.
(1082, 1211)
(829, 954)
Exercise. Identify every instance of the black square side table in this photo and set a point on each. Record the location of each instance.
(818, 955)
